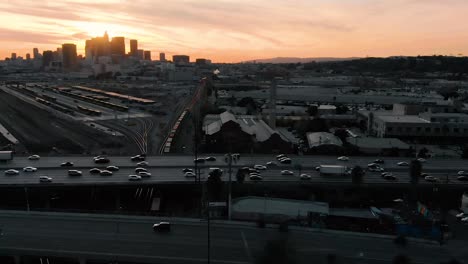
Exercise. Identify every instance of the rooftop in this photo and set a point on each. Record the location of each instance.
(402, 119)
(379, 143)
(316, 139)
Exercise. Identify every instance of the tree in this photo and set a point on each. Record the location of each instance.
(240, 176)
(464, 154)
(341, 109)
(214, 185)
(357, 175)
(415, 171)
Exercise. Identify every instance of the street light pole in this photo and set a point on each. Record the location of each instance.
(229, 160)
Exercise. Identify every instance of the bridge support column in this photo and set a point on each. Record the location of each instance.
(82, 260)
(17, 259)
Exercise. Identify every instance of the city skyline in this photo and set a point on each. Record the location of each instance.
(238, 31)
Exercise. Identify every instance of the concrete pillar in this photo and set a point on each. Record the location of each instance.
(17, 259)
(82, 260)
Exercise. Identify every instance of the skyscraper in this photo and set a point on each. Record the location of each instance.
(69, 55)
(181, 59)
(147, 55)
(133, 47)
(13, 56)
(117, 46)
(47, 57)
(140, 54)
(162, 56)
(28, 56)
(35, 53)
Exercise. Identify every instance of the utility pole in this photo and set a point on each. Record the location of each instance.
(27, 198)
(209, 235)
(229, 186)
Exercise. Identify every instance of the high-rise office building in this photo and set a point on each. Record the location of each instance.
(28, 56)
(181, 59)
(13, 56)
(35, 53)
(162, 56)
(140, 54)
(117, 46)
(47, 57)
(69, 55)
(147, 55)
(133, 47)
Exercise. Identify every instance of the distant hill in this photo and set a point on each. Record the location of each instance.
(301, 60)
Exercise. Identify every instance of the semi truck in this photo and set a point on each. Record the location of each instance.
(333, 170)
(6, 155)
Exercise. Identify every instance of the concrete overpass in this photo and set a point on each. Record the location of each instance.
(124, 238)
(168, 169)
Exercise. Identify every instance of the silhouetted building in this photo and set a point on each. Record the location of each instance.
(96, 47)
(140, 54)
(162, 56)
(47, 57)
(13, 56)
(133, 47)
(69, 56)
(28, 56)
(181, 59)
(147, 55)
(202, 61)
(117, 46)
(35, 53)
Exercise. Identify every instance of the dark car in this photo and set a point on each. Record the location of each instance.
(102, 160)
(199, 160)
(138, 158)
(112, 168)
(379, 161)
(210, 159)
(105, 173)
(187, 170)
(67, 164)
(138, 170)
(162, 227)
(94, 171)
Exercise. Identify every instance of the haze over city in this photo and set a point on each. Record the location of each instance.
(233, 31)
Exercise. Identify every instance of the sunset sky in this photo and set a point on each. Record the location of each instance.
(237, 30)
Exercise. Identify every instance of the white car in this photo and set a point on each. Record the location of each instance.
(287, 172)
(34, 157)
(260, 167)
(134, 177)
(285, 160)
(463, 173)
(460, 215)
(280, 156)
(144, 174)
(11, 172)
(431, 179)
(305, 176)
(343, 158)
(190, 174)
(29, 169)
(75, 173)
(45, 179)
(255, 178)
(376, 169)
(402, 163)
(421, 160)
(464, 220)
(271, 164)
(105, 173)
(142, 164)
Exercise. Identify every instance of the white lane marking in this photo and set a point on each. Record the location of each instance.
(246, 246)
(58, 251)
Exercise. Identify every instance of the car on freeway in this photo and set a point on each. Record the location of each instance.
(271, 164)
(75, 173)
(260, 167)
(343, 158)
(144, 174)
(463, 173)
(106, 173)
(431, 179)
(379, 161)
(138, 170)
(210, 159)
(29, 169)
(11, 172)
(421, 160)
(280, 156)
(402, 163)
(386, 173)
(250, 170)
(255, 178)
(464, 220)
(305, 176)
(187, 170)
(101, 160)
(142, 164)
(112, 168)
(199, 160)
(45, 179)
(162, 227)
(376, 169)
(287, 172)
(460, 215)
(138, 158)
(94, 171)
(34, 157)
(236, 155)
(285, 161)
(424, 174)
(389, 177)
(134, 177)
(190, 174)
(462, 178)
(67, 164)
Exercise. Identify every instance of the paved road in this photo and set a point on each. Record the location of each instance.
(132, 239)
(168, 169)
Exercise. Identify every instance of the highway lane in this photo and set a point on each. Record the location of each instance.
(175, 175)
(125, 238)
